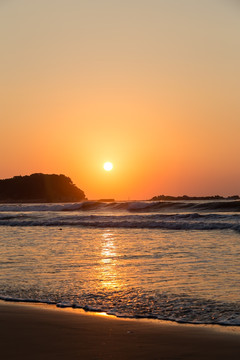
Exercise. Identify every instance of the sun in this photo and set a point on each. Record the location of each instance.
(108, 166)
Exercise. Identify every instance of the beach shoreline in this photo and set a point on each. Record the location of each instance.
(38, 331)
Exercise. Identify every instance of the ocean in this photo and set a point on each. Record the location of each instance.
(167, 260)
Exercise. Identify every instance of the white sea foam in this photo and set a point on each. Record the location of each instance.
(167, 307)
(190, 221)
(131, 206)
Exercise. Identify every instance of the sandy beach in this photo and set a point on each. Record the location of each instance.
(45, 332)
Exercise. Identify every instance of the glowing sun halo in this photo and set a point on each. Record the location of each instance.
(108, 166)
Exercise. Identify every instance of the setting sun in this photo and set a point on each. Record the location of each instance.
(108, 166)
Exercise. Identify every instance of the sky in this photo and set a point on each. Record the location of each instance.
(152, 86)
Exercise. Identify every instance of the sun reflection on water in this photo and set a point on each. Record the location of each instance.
(108, 272)
(108, 250)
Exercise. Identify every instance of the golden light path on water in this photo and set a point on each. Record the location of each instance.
(108, 273)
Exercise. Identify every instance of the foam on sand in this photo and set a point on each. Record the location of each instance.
(33, 332)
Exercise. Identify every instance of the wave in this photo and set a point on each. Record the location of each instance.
(169, 307)
(164, 222)
(130, 206)
(201, 215)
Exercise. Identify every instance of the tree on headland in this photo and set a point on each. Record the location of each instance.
(40, 188)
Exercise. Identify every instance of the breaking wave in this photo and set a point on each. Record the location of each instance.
(130, 206)
(201, 215)
(192, 221)
(134, 304)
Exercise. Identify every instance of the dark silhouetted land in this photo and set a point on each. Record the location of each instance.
(106, 200)
(185, 197)
(40, 188)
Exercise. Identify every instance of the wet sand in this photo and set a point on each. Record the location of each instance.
(38, 332)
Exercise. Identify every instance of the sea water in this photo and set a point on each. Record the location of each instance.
(165, 260)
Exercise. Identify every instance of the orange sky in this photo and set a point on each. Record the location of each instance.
(152, 86)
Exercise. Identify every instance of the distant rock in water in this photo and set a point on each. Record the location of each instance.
(106, 200)
(40, 188)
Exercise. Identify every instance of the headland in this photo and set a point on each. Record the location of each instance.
(39, 188)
